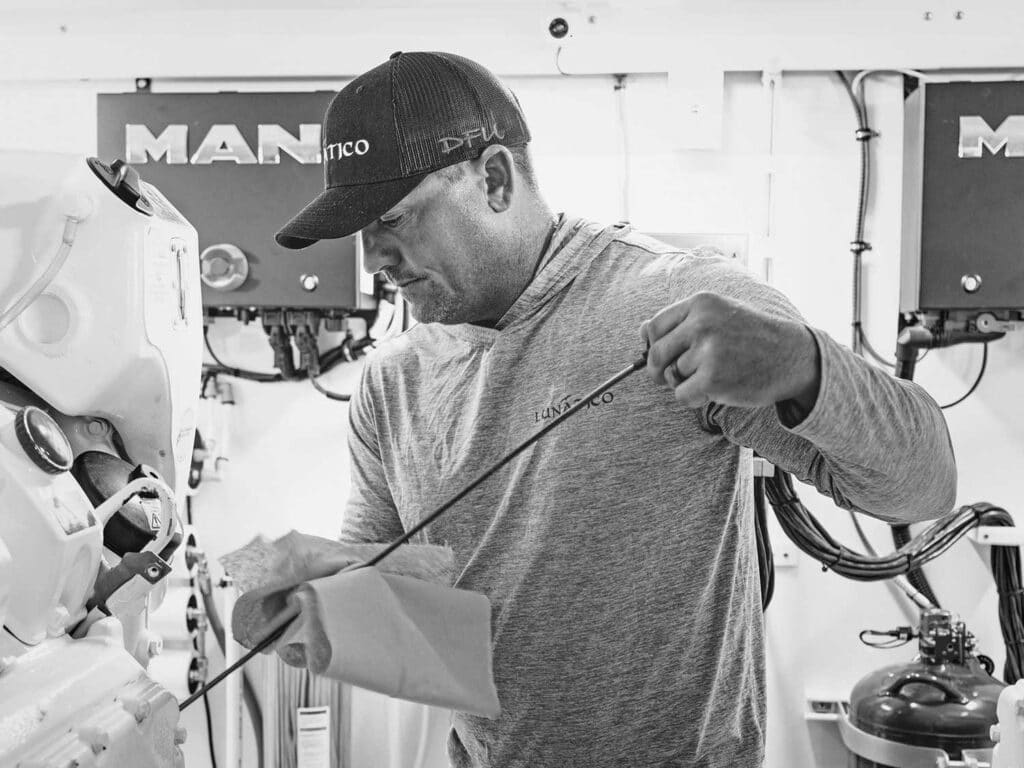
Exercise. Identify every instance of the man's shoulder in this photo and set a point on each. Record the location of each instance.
(405, 352)
(644, 258)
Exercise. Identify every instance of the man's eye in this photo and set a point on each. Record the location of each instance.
(391, 222)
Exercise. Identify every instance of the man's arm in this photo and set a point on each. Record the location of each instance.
(764, 379)
(370, 514)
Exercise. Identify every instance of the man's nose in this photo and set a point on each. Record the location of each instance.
(376, 256)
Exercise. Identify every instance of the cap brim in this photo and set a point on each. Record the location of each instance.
(341, 211)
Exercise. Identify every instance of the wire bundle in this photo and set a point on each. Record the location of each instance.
(811, 537)
(765, 557)
(1006, 572)
(344, 352)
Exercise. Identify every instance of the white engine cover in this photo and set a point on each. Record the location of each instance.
(85, 703)
(117, 333)
(53, 544)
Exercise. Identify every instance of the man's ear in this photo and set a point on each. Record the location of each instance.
(497, 168)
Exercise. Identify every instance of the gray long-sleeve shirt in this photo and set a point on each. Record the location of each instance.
(618, 552)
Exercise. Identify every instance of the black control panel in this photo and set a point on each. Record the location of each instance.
(238, 166)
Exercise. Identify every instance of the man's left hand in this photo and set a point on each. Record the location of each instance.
(711, 348)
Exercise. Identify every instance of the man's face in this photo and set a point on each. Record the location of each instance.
(445, 249)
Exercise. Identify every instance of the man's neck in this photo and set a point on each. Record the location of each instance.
(538, 232)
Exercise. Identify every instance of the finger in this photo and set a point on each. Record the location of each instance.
(667, 319)
(682, 368)
(672, 377)
(643, 333)
(688, 363)
(666, 350)
(693, 392)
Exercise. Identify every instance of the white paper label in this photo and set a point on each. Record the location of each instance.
(314, 742)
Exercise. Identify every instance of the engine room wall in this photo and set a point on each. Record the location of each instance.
(790, 182)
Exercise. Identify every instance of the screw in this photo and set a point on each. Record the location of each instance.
(138, 709)
(971, 283)
(927, 15)
(309, 282)
(97, 739)
(958, 15)
(153, 572)
(97, 427)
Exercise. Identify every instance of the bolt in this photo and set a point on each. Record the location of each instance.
(958, 15)
(97, 739)
(971, 283)
(153, 572)
(309, 282)
(97, 427)
(927, 15)
(137, 708)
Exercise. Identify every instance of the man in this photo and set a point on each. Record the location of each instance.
(618, 552)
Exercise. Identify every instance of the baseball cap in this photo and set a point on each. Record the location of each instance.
(391, 127)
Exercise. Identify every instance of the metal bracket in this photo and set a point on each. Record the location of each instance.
(989, 323)
(997, 536)
(123, 589)
(887, 752)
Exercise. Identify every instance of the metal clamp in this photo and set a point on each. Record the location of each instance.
(123, 589)
(887, 752)
(989, 323)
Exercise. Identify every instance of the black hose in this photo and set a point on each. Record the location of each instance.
(252, 703)
(901, 533)
(901, 537)
(1005, 562)
(765, 558)
(209, 732)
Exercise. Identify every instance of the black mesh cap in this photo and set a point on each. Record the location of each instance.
(392, 126)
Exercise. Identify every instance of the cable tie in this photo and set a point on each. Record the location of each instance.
(865, 134)
(1012, 593)
(859, 246)
(832, 566)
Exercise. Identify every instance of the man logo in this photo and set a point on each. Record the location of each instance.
(223, 143)
(976, 135)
